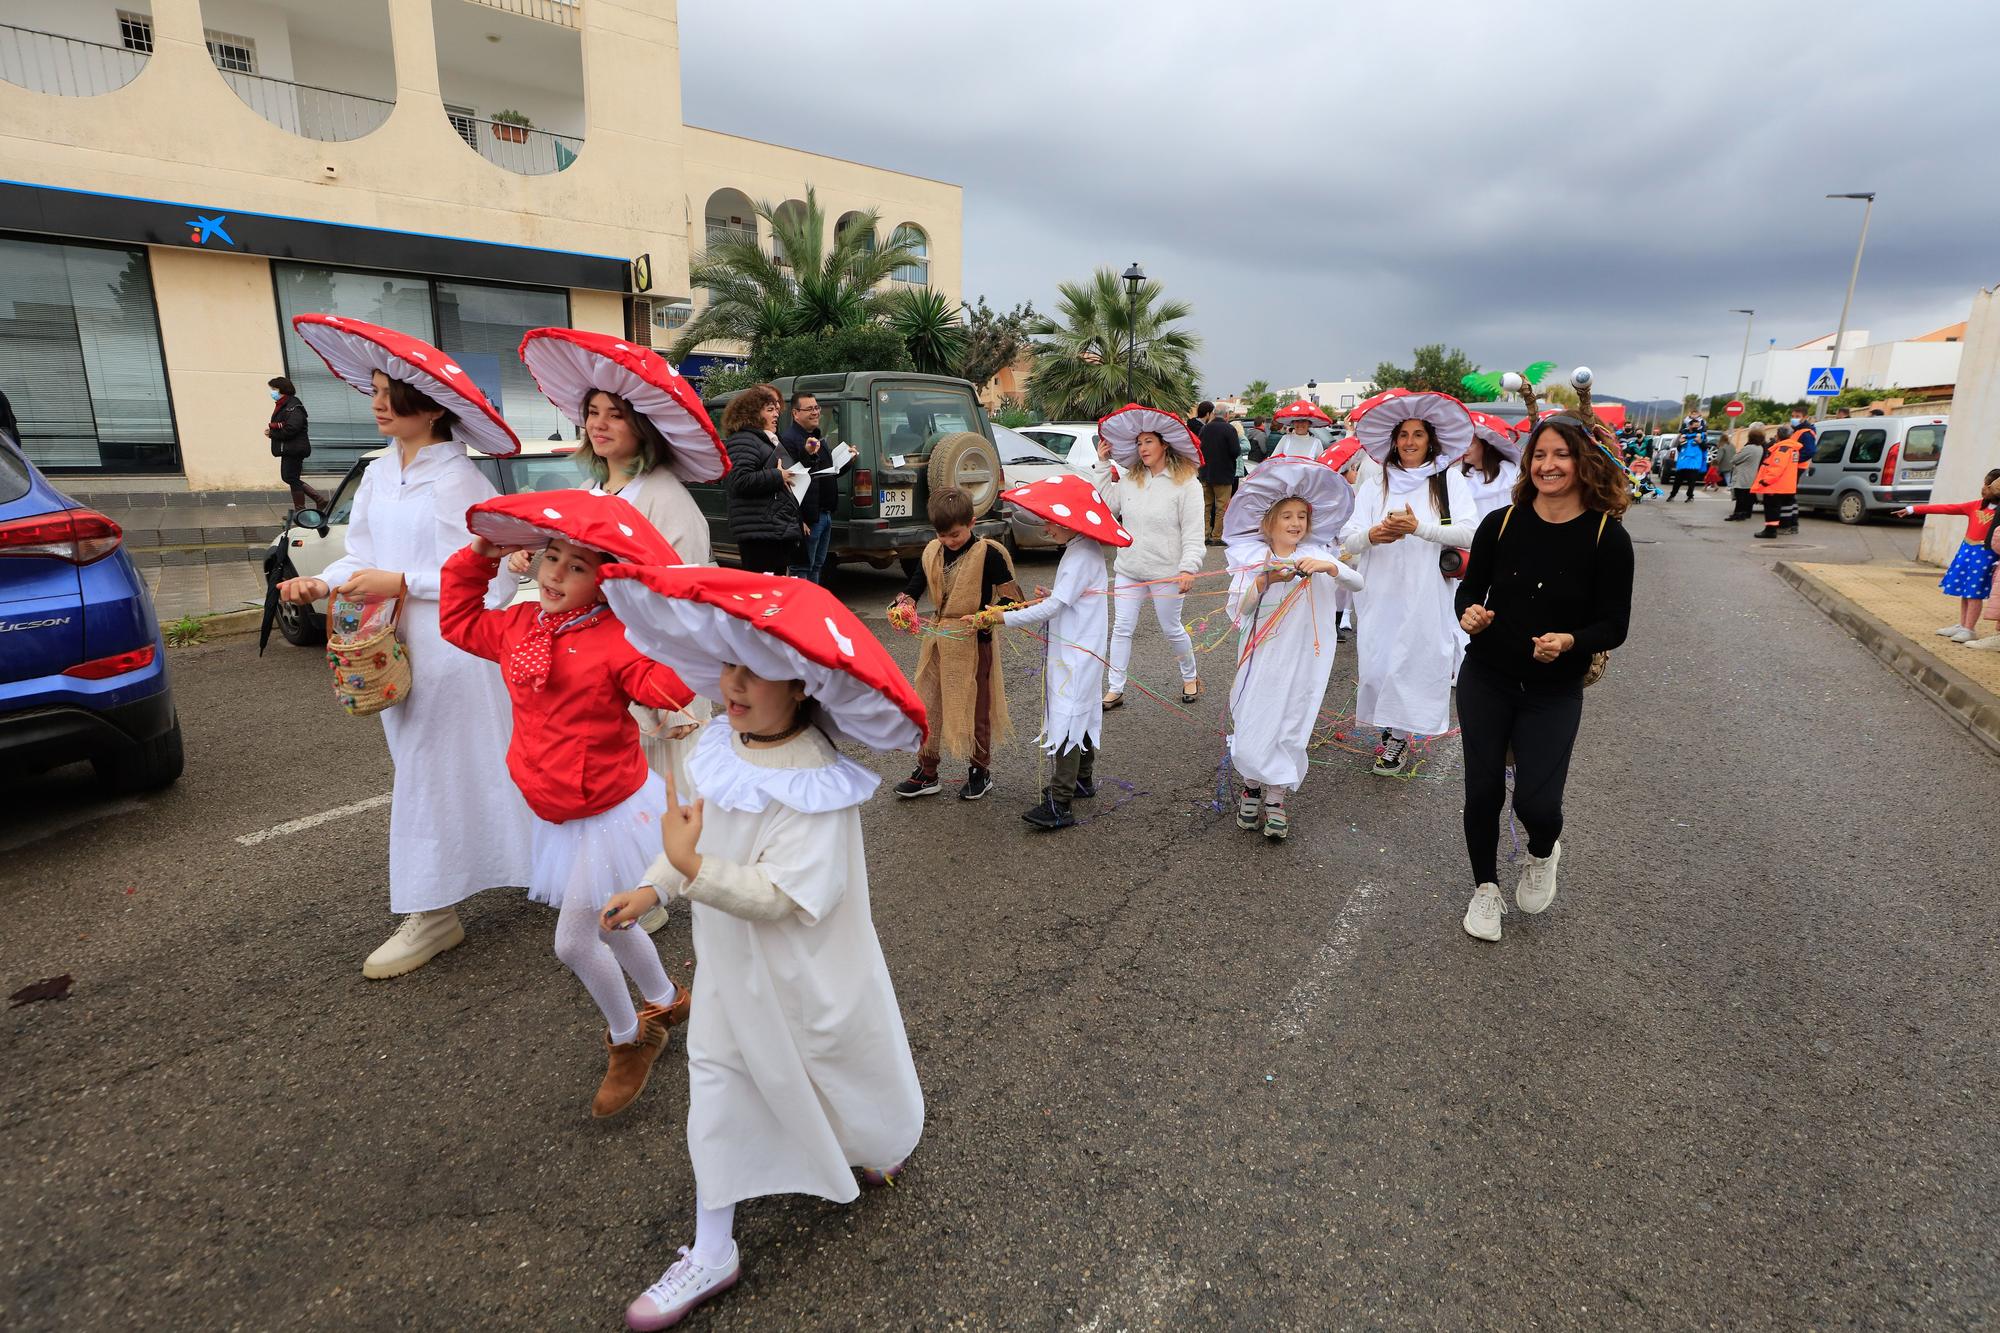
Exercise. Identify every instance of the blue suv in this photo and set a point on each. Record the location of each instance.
(83, 671)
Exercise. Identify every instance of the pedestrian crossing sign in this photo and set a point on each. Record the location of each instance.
(1825, 381)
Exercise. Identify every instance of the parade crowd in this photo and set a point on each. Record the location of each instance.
(669, 729)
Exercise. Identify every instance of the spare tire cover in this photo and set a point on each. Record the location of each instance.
(971, 463)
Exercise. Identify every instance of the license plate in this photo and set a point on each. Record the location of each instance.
(897, 502)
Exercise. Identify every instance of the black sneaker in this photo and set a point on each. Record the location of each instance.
(1049, 815)
(1394, 758)
(977, 783)
(1085, 789)
(918, 784)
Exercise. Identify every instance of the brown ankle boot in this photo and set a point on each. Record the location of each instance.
(628, 1068)
(669, 1015)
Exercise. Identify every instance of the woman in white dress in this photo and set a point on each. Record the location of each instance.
(1420, 508)
(1491, 465)
(1158, 497)
(456, 824)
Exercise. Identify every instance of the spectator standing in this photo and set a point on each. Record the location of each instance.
(1259, 442)
(1743, 464)
(289, 442)
(1691, 461)
(763, 516)
(1219, 451)
(1778, 482)
(806, 446)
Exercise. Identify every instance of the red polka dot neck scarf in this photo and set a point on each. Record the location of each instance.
(528, 662)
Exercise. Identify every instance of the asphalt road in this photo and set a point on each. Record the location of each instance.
(1743, 1074)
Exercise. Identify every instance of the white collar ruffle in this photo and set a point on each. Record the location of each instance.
(1404, 481)
(805, 773)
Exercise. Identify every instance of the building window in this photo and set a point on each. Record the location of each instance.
(482, 327)
(80, 357)
(135, 32)
(918, 270)
(231, 54)
(466, 121)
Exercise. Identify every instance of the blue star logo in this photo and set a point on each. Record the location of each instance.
(205, 229)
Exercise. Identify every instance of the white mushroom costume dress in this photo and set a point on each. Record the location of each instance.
(1409, 647)
(1072, 618)
(456, 825)
(571, 364)
(1498, 436)
(1285, 640)
(798, 1066)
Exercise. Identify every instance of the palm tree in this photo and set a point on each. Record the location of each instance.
(1255, 389)
(804, 286)
(1081, 351)
(931, 327)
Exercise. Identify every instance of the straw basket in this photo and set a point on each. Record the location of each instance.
(371, 670)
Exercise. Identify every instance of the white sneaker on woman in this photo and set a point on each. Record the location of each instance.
(421, 937)
(1991, 643)
(1482, 917)
(1537, 888)
(681, 1288)
(1946, 631)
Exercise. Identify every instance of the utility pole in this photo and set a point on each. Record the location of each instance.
(1743, 360)
(1840, 332)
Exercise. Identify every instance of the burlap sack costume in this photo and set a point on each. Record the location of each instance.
(948, 667)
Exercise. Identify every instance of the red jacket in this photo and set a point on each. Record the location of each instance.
(1978, 517)
(575, 751)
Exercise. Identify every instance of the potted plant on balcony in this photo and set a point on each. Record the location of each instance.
(511, 126)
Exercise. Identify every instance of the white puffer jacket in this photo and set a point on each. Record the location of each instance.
(1165, 521)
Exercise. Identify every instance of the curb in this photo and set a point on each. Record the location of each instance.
(225, 625)
(1964, 700)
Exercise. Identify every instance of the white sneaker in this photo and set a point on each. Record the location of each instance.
(1946, 631)
(1482, 917)
(681, 1288)
(421, 937)
(1960, 635)
(653, 920)
(1991, 644)
(1537, 887)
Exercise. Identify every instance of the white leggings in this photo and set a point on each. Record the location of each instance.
(602, 959)
(1126, 595)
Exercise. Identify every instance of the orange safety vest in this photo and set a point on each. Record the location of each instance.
(1778, 474)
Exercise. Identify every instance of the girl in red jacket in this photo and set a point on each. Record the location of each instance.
(575, 754)
(1970, 576)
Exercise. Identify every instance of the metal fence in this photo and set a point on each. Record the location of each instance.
(46, 63)
(562, 13)
(519, 149)
(325, 114)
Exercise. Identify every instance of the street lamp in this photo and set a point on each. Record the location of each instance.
(1702, 396)
(1135, 277)
(1684, 393)
(1312, 384)
(1744, 360)
(1841, 330)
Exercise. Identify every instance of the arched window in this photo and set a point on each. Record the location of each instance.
(791, 212)
(848, 221)
(332, 85)
(729, 216)
(918, 270)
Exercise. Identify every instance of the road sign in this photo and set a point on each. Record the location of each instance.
(1733, 408)
(1826, 381)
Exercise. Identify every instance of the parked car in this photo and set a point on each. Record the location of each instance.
(83, 669)
(311, 540)
(1076, 441)
(1871, 465)
(1023, 461)
(910, 432)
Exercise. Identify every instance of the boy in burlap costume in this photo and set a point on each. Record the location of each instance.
(958, 675)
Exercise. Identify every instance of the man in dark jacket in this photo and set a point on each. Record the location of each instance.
(1259, 442)
(289, 443)
(803, 443)
(1219, 448)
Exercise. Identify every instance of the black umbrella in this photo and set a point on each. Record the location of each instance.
(271, 580)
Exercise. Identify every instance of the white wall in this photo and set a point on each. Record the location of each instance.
(1972, 444)
(85, 20)
(370, 72)
(1331, 394)
(486, 92)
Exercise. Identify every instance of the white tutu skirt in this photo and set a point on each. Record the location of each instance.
(599, 855)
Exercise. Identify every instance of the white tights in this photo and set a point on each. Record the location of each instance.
(1126, 595)
(602, 959)
(713, 1229)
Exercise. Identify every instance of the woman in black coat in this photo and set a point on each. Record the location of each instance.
(289, 444)
(763, 516)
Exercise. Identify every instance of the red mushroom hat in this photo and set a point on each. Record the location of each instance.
(354, 350)
(1281, 478)
(1300, 407)
(698, 619)
(1071, 502)
(604, 523)
(569, 363)
(1376, 426)
(1371, 403)
(1526, 425)
(1122, 429)
(1496, 435)
(1338, 456)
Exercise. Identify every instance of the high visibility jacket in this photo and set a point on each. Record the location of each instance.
(1778, 474)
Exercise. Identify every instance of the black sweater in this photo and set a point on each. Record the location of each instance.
(759, 505)
(1547, 578)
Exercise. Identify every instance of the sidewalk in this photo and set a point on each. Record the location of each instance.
(200, 552)
(1894, 609)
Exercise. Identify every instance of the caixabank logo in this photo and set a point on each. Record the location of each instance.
(202, 229)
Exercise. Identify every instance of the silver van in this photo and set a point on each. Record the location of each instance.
(1871, 465)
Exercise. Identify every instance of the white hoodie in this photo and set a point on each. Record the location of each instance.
(1165, 521)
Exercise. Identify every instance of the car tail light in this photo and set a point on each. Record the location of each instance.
(80, 536)
(864, 486)
(1889, 465)
(115, 665)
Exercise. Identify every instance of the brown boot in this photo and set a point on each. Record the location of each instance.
(669, 1015)
(628, 1068)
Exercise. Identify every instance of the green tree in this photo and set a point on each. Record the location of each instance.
(993, 341)
(1014, 413)
(1432, 369)
(1850, 400)
(1081, 352)
(831, 352)
(931, 327)
(803, 286)
(1264, 404)
(1256, 389)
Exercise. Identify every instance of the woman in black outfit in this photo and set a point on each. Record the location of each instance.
(763, 516)
(1548, 584)
(289, 444)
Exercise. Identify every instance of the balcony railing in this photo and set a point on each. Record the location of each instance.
(325, 114)
(521, 150)
(719, 235)
(562, 13)
(46, 63)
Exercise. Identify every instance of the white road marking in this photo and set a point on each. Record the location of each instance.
(48, 828)
(300, 825)
(1149, 1291)
(1327, 963)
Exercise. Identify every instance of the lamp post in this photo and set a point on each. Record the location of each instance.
(1744, 360)
(1840, 331)
(1684, 394)
(1135, 277)
(1312, 397)
(1702, 395)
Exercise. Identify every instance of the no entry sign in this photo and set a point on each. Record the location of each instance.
(1734, 407)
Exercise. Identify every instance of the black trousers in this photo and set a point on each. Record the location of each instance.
(1494, 714)
(291, 471)
(766, 557)
(1781, 511)
(1687, 477)
(1745, 503)
(1076, 764)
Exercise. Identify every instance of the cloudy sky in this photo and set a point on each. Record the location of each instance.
(1331, 183)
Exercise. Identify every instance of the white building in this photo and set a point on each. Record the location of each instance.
(1333, 396)
(1926, 362)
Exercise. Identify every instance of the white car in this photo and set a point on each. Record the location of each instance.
(305, 549)
(1074, 440)
(1024, 459)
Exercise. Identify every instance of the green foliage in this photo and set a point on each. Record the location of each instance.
(993, 341)
(1432, 370)
(833, 352)
(1264, 404)
(1081, 352)
(185, 631)
(1014, 413)
(727, 381)
(511, 117)
(930, 326)
(1256, 389)
(1848, 400)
